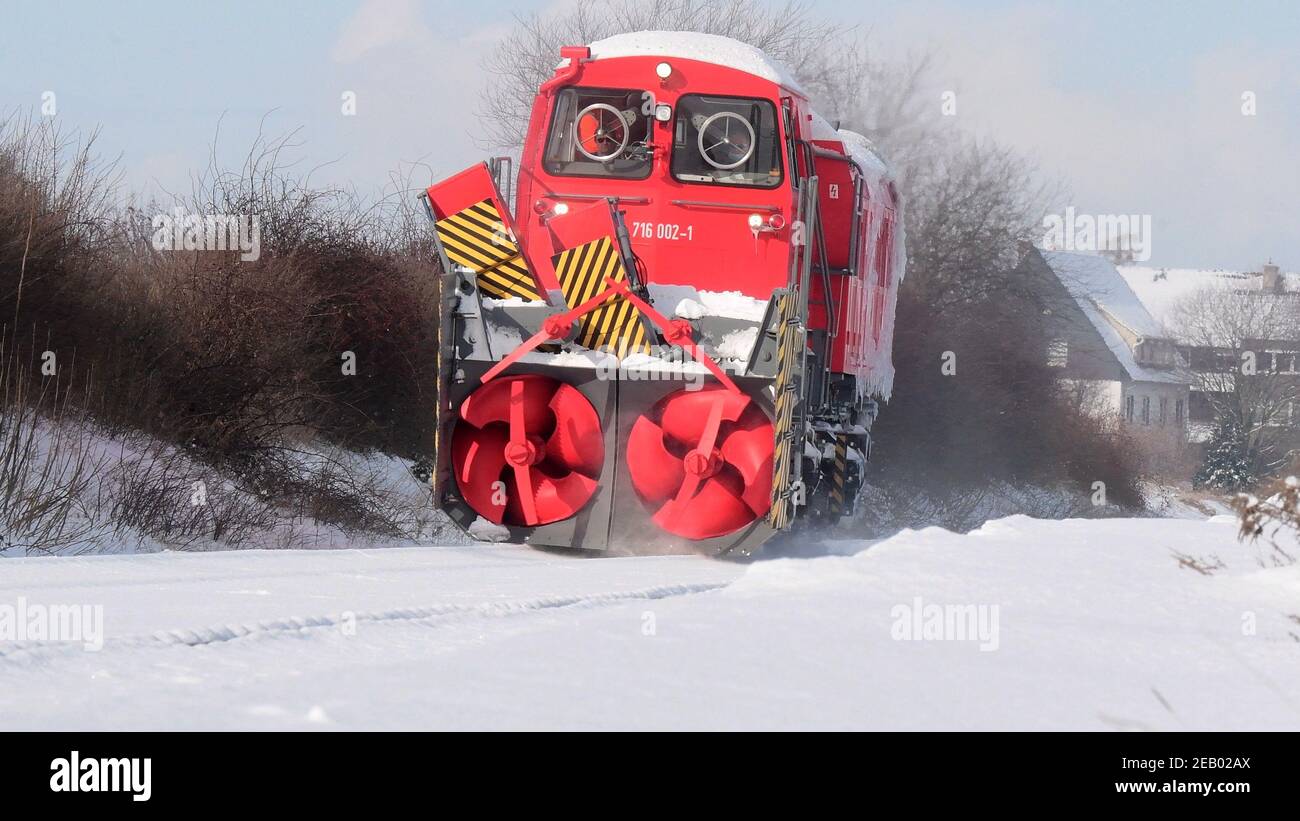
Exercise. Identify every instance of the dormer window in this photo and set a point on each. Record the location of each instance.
(1155, 352)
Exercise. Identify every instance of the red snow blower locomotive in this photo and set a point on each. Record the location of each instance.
(677, 339)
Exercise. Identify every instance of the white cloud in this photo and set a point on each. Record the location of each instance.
(379, 23)
(416, 89)
(1216, 183)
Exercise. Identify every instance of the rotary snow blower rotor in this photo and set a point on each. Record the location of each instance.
(528, 450)
(702, 461)
(550, 433)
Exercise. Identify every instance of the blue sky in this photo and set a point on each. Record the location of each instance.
(1136, 106)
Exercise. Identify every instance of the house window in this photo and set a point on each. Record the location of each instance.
(1128, 409)
(1159, 352)
(1164, 410)
(1178, 413)
(1282, 361)
(1146, 410)
(1058, 353)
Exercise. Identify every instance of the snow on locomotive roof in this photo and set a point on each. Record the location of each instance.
(822, 129)
(859, 147)
(863, 152)
(691, 45)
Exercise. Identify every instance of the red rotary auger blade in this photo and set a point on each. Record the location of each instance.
(702, 461)
(527, 451)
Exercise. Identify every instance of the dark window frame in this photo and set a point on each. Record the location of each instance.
(550, 136)
(777, 122)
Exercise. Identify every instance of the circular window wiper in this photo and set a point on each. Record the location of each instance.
(600, 132)
(726, 140)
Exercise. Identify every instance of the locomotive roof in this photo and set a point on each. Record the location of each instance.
(691, 45)
(863, 151)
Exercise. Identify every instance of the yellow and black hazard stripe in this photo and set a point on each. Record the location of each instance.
(786, 388)
(839, 475)
(476, 238)
(616, 326)
(440, 476)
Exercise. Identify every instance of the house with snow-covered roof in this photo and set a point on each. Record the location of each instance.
(1110, 352)
(1162, 290)
(1266, 331)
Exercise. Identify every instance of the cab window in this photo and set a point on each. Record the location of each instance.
(727, 141)
(599, 132)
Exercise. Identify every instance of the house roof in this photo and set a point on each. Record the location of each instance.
(1162, 289)
(1109, 304)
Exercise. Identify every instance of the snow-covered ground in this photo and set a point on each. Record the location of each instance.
(1092, 624)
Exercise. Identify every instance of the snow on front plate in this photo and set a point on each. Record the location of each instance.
(485, 531)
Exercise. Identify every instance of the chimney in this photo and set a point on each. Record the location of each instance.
(1272, 278)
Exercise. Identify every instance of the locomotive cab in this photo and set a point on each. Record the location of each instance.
(697, 156)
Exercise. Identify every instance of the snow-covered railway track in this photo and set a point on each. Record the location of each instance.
(347, 621)
(1080, 624)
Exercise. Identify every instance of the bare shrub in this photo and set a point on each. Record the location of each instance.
(46, 472)
(226, 362)
(1271, 522)
(886, 509)
(57, 228)
(255, 349)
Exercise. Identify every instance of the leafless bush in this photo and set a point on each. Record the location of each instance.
(969, 208)
(1272, 521)
(257, 347)
(163, 494)
(46, 472)
(223, 361)
(886, 509)
(57, 227)
(1206, 566)
(70, 486)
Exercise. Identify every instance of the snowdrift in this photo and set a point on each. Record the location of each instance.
(1117, 624)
